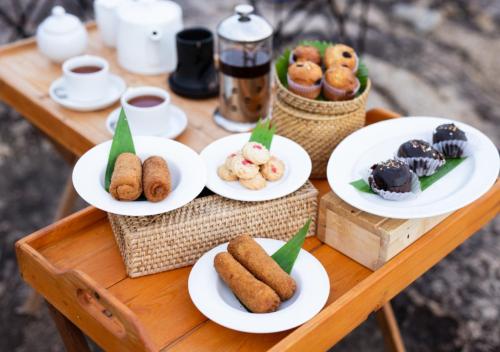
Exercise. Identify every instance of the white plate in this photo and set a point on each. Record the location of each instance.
(186, 167)
(217, 302)
(463, 185)
(176, 125)
(297, 168)
(58, 93)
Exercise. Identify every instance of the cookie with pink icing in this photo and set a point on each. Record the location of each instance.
(273, 170)
(243, 168)
(256, 153)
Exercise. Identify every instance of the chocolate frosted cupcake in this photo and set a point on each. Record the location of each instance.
(305, 53)
(340, 83)
(304, 79)
(341, 55)
(450, 140)
(393, 180)
(421, 157)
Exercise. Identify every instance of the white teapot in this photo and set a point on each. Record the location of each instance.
(61, 36)
(146, 35)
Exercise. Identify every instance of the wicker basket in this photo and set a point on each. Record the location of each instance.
(317, 125)
(172, 240)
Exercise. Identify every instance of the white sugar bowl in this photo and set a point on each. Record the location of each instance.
(61, 36)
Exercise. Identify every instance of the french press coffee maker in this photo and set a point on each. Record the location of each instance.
(244, 50)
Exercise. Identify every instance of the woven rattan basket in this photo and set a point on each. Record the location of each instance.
(317, 125)
(172, 240)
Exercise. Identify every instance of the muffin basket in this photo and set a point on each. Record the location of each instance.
(316, 125)
(152, 244)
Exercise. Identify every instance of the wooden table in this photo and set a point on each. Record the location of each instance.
(76, 266)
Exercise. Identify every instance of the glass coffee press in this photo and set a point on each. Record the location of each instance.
(245, 51)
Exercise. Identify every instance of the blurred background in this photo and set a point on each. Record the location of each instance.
(425, 57)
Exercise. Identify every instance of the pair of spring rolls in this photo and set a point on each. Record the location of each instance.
(253, 276)
(130, 178)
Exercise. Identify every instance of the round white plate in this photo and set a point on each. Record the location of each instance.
(353, 157)
(187, 171)
(297, 168)
(58, 93)
(217, 302)
(177, 123)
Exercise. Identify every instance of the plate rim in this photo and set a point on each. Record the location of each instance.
(257, 196)
(157, 208)
(396, 213)
(318, 304)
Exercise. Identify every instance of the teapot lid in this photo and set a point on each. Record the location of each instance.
(149, 11)
(244, 26)
(60, 22)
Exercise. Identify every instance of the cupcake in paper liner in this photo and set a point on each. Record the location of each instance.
(340, 83)
(305, 53)
(304, 79)
(393, 180)
(341, 55)
(421, 157)
(451, 141)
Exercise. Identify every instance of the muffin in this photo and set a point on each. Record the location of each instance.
(392, 179)
(273, 170)
(449, 140)
(256, 153)
(340, 83)
(305, 53)
(421, 157)
(304, 79)
(341, 55)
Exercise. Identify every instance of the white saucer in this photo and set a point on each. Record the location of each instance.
(177, 124)
(58, 93)
(215, 300)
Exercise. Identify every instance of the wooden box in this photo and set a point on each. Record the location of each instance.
(369, 239)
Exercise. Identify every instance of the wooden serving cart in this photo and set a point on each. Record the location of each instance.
(75, 263)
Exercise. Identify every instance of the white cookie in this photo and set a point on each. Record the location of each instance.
(230, 158)
(273, 170)
(254, 184)
(243, 168)
(256, 153)
(226, 174)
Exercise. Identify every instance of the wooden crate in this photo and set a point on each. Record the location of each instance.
(369, 239)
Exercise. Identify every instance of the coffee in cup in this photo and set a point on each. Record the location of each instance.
(86, 77)
(147, 110)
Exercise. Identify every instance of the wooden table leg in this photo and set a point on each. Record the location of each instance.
(390, 329)
(32, 304)
(73, 338)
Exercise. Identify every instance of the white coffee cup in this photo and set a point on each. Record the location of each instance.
(149, 120)
(86, 86)
(107, 19)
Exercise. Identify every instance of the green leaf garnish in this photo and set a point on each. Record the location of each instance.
(425, 181)
(263, 133)
(282, 65)
(288, 253)
(122, 143)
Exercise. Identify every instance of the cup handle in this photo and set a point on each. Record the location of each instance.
(61, 93)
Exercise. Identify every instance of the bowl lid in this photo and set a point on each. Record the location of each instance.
(60, 22)
(147, 12)
(244, 26)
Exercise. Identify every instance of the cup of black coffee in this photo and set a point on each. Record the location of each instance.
(195, 75)
(147, 109)
(86, 77)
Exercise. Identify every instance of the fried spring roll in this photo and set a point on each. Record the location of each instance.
(254, 294)
(253, 257)
(156, 178)
(126, 180)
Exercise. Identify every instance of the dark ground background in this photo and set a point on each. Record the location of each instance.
(425, 57)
